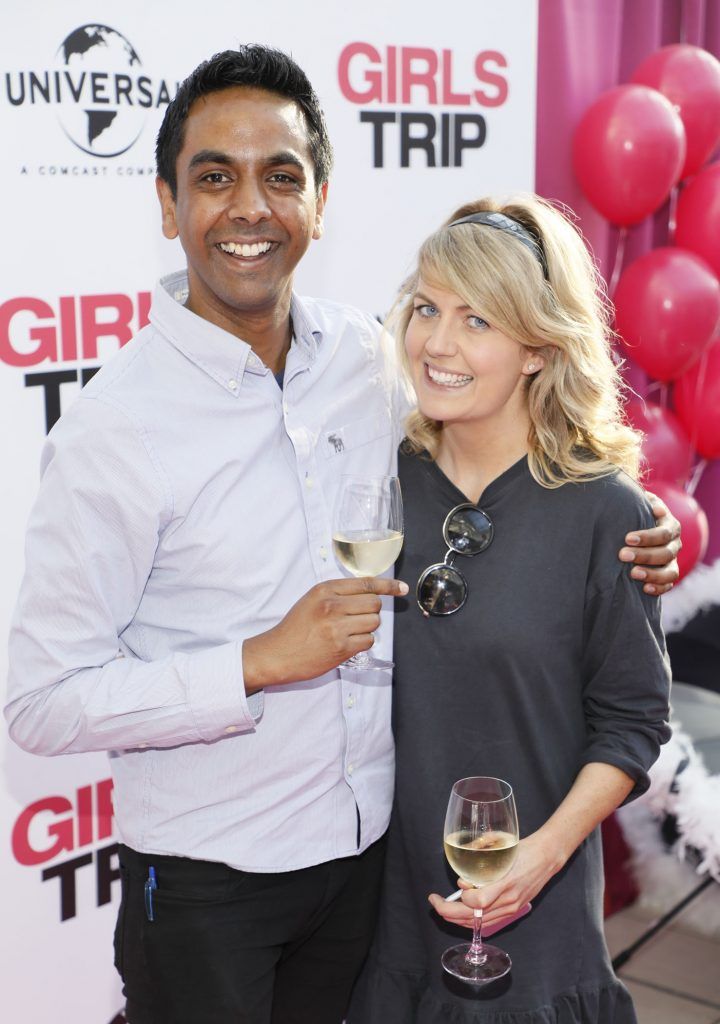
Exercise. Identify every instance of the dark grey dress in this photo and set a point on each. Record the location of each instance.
(557, 660)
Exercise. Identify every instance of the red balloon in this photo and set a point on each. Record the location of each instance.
(696, 397)
(690, 78)
(628, 152)
(666, 452)
(667, 306)
(693, 524)
(698, 216)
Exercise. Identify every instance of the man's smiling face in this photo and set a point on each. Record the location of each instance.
(247, 204)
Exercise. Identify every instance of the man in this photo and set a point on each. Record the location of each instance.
(183, 612)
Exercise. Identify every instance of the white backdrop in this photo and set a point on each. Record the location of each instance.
(79, 109)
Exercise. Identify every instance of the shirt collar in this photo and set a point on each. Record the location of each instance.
(223, 356)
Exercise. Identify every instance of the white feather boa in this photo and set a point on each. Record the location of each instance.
(698, 591)
(682, 787)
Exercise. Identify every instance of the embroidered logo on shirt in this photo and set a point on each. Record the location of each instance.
(337, 442)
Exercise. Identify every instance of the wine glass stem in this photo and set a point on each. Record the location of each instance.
(476, 954)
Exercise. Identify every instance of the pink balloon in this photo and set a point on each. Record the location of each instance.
(693, 524)
(696, 397)
(666, 451)
(698, 216)
(690, 78)
(667, 306)
(628, 152)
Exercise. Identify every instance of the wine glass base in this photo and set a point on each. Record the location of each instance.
(363, 660)
(496, 964)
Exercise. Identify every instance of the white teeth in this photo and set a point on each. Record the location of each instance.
(257, 249)
(451, 380)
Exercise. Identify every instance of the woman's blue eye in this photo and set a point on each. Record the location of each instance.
(425, 309)
(477, 321)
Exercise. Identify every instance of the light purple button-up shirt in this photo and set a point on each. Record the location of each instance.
(186, 505)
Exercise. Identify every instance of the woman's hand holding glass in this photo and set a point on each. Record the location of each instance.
(537, 860)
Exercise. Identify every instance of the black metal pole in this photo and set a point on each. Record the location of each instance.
(622, 958)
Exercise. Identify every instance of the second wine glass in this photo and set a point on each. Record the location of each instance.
(481, 837)
(368, 535)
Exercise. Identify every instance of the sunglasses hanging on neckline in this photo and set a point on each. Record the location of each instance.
(442, 589)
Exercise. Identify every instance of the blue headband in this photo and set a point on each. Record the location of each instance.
(511, 227)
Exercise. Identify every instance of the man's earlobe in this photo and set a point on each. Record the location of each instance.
(167, 206)
(320, 212)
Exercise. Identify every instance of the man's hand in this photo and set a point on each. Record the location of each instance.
(329, 624)
(658, 547)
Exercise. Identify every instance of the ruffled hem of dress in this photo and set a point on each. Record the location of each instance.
(387, 996)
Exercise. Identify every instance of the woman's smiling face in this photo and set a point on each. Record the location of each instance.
(463, 369)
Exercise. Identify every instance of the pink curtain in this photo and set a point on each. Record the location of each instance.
(586, 47)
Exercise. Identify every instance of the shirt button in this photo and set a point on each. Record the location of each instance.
(350, 769)
(231, 728)
(233, 385)
(309, 482)
(351, 702)
(323, 552)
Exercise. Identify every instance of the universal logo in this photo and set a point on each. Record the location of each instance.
(98, 89)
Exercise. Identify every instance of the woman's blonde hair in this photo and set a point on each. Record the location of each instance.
(575, 401)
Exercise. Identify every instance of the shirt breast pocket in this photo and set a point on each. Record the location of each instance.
(337, 441)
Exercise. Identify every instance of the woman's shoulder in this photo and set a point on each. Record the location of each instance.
(618, 494)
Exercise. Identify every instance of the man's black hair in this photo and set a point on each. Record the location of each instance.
(258, 67)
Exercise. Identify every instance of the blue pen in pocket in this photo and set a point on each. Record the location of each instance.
(150, 886)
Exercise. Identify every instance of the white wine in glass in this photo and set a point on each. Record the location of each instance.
(367, 552)
(367, 535)
(481, 837)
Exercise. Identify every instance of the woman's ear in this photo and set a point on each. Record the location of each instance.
(533, 362)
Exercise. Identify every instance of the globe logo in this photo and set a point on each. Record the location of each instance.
(99, 68)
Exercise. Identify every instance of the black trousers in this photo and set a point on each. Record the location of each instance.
(236, 947)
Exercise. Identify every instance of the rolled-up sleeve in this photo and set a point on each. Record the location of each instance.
(92, 537)
(627, 680)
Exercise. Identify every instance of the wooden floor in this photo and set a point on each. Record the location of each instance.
(675, 977)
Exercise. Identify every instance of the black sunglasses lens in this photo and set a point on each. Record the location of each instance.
(441, 590)
(468, 530)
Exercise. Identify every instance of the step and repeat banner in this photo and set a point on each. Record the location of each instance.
(428, 105)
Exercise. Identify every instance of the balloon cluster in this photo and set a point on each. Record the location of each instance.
(637, 146)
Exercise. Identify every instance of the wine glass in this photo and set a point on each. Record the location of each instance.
(481, 837)
(367, 535)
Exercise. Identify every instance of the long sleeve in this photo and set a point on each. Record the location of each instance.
(627, 680)
(74, 684)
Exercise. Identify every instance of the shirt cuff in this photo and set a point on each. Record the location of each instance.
(215, 691)
(256, 704)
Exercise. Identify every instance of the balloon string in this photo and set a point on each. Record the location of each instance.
(672, 213)
(619, 256)
(699, 386)
(691, 485)
(663, 395)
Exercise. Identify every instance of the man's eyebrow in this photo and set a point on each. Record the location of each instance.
(286, 157)
(216, 156)
(209, 156)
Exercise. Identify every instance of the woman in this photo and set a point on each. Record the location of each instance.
(557, 682)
